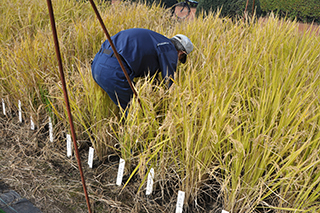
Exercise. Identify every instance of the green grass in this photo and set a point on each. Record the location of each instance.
(243, 111)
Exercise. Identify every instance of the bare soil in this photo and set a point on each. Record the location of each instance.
(40, 171)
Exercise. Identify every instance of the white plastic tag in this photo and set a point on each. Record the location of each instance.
(69, 146)
(120, 171)
(224, 211)
(150, 182)
(90, 157)
(20, 113)
(31, 123)
(3, 107)
(180, 201)
(50, 130)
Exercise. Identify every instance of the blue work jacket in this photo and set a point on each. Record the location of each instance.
(146, 51)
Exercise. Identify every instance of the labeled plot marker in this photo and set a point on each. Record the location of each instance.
(50, 130)
(150, 182)
(120, 172)
(3, 107)
(90, 157)
(69, 146)
(20, 113)
(31, 123)
(180, 201)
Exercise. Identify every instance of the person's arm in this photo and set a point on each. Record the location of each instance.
(168, 65)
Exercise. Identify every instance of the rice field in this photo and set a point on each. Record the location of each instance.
(241, 119)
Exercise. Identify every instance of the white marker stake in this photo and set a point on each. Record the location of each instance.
(150, 182)
(20, 113)
(90, 157)
(224, 211)
(3, 107)
(31, 123)
(180, 201)
(50, 130)
(120, 171)
(69, 146)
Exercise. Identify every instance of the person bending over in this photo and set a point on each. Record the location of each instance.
(143, 52)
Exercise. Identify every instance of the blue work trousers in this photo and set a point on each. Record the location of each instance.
(107, 73)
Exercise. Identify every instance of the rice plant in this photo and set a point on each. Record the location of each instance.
(243, 111)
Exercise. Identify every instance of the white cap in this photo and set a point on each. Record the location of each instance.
(186, 44)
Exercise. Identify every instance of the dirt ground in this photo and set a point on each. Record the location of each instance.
(40, 171)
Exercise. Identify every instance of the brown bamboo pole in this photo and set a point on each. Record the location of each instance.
(57, 49)
(245, 11)
(253, 7)
(114, 49)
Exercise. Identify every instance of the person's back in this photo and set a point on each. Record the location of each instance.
(145, 51)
